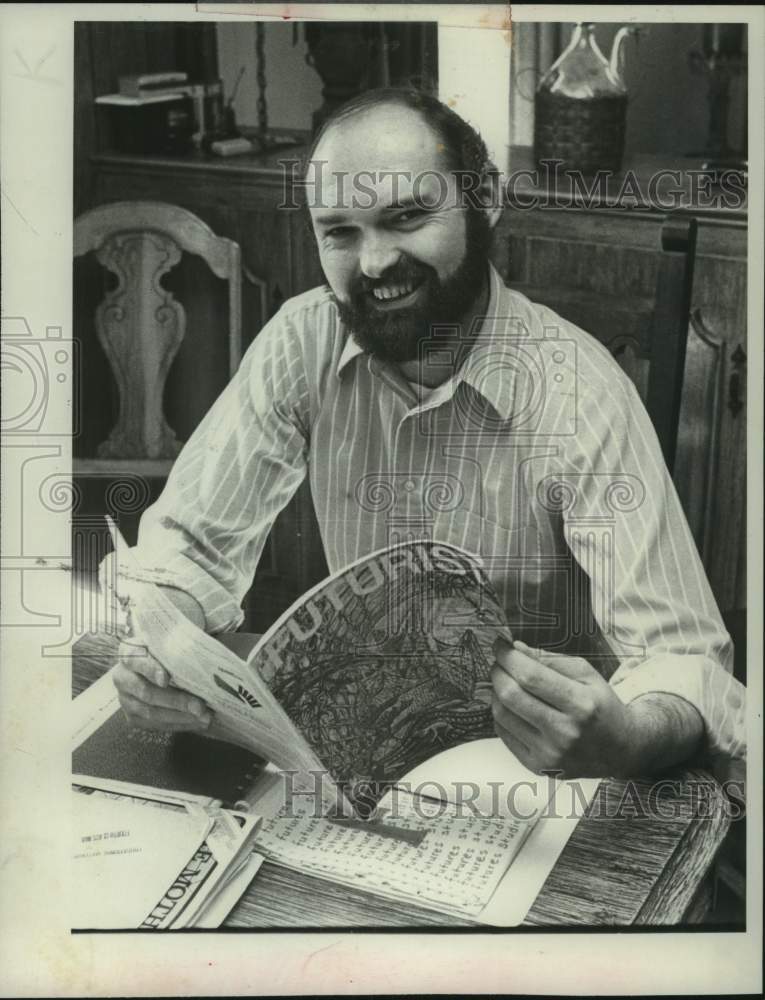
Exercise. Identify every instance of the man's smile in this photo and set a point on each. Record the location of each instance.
(396, 294)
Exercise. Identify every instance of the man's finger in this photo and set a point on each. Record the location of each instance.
(524, 754)
(513, 723)
(137, 658)
(513, 740)
(511, 694)
(138, 688)
(537, 679)
(151, 717)
(575, 667)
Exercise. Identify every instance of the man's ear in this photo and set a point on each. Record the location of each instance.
(491, 194)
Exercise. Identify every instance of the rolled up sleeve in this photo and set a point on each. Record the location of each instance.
(206, 532)
(650, 593)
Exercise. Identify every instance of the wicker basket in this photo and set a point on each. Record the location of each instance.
(586, 134)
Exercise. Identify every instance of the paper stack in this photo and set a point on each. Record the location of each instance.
(154, 860)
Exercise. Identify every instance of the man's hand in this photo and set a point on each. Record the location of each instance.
(558, 713)
(143, 685)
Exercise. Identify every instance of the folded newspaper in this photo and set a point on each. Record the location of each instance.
(155, 860)
(375, 670)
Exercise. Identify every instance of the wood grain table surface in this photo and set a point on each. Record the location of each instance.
(638, 857)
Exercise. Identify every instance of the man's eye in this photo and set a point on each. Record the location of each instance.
(338, 232)
(410, 215)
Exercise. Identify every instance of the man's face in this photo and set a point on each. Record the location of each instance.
(397, 248)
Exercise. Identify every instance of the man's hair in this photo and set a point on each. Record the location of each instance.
(465, 148)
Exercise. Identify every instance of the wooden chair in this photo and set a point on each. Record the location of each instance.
(647, 335)
(139, 323)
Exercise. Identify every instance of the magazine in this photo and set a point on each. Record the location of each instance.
(376, 669)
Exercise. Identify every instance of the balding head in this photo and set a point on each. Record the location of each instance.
(384, 138)
(460, 147)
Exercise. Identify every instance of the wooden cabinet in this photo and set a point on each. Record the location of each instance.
(594, 249)
(105, 50)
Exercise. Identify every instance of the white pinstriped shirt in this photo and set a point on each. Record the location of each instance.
(538, 455)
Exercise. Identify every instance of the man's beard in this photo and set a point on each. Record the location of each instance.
(396, 335)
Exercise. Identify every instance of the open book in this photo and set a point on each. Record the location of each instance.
(375, 670)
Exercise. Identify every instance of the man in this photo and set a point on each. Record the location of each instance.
(417, 368)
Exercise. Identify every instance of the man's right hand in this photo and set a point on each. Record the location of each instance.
(146, 695)
(149, 700)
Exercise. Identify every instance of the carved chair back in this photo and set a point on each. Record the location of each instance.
(139, 323)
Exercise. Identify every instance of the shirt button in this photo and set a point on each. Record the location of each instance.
(409, 486)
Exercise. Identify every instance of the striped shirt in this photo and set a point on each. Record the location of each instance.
(537, 454)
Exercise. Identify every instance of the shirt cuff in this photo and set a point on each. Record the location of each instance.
(716, 695)
(220, 611)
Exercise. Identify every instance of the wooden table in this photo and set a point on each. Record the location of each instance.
(624, 865)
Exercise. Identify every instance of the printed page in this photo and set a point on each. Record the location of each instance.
(425, 852)
(211, 868)
(523, 881)
(92, 708)
(445, 836)
(126, 856)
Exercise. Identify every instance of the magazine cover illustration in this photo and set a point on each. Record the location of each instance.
(387, 663)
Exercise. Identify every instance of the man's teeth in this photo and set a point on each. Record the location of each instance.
(393, 291)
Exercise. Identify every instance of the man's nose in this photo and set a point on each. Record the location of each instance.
(378, 253)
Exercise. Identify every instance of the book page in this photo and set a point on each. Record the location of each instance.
(423, 851)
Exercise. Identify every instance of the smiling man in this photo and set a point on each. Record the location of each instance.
(499, 425)
(408, 253)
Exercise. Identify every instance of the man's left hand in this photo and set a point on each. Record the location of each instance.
(557, 713)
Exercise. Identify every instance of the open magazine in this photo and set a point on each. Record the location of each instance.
(375, 670)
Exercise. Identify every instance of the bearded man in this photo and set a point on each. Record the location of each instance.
(417, 366)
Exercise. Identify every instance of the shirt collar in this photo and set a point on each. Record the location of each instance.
(350, 351)
(483, 369)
